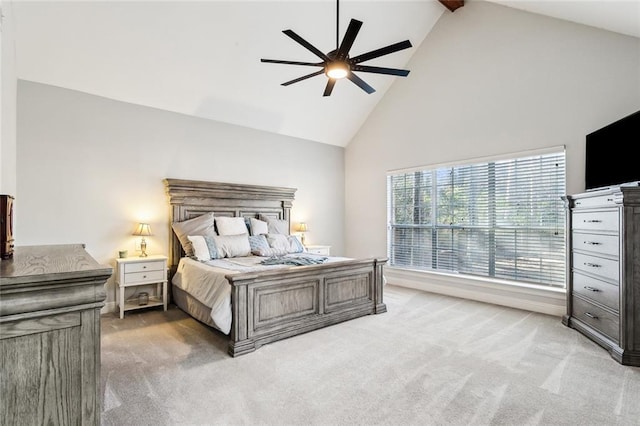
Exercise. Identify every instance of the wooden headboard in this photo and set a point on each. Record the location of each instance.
(191, 198)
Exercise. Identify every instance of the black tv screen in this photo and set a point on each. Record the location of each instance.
(609, 161)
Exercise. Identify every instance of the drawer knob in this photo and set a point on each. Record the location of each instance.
(590, 315)
(144, 267)
(592, 243)
(593, 265)
(592, 221)
(144, 276)
(591, 288)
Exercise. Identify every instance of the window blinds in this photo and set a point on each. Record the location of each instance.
(501, 219)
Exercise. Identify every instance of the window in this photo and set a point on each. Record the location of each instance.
(500, 219)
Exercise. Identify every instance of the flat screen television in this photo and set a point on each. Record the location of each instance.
(609, 161)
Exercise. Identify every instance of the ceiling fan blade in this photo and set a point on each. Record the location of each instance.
(329, 87)
(380, 52)
(380, 70)
(304, 77)
(348, 39)
(360, 83)
(306, 44)
(277, 61)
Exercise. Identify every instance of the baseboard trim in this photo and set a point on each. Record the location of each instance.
(550, 301)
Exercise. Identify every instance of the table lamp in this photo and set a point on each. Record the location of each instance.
(143, 230)
(302, 227)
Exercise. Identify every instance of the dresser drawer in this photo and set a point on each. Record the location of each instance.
(605, 268)
(596, 290)
(143, 266)
(139, 277)
(603, 321)
(596, 243)
(595, 201)
(602, 220)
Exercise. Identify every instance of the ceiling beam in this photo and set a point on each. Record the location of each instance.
(452, 5)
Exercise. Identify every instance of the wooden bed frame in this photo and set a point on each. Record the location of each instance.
(273, 305)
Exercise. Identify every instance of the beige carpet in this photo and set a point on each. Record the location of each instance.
(430, 360)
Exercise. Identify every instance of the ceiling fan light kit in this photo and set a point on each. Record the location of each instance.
(337, 69)
(337, 64)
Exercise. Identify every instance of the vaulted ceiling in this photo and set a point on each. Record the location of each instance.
(203, 58)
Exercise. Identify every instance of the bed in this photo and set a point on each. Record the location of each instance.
(263, 305)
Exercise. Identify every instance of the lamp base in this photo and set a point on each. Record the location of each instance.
(143, 248)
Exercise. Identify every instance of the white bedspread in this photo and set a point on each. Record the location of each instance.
(206, 282)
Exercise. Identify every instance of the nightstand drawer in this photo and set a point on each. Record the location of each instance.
(143, 266)
(321, 250)
(139, 277)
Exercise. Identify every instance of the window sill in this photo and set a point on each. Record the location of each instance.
(551, 301)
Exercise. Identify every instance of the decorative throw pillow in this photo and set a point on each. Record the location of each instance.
(200, 248)
(232, 245)
(258, 227)
(295, 245)
(211, 245)
(201, 225)
(278, 241)
(258, 242)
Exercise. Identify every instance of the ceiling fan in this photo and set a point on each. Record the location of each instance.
(337, 63)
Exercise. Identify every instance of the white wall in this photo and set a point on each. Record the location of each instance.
(488, 80)
(8, 88)
(89, 168)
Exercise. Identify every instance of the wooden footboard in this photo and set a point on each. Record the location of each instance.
(274, 305)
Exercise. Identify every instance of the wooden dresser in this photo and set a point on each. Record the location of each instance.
(603, 293)
(50, 300)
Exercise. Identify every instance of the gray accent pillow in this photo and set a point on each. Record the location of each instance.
(276, 226)
(201, 225)
(258, 227)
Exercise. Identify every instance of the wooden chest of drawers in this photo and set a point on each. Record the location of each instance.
(603, 291)
(50, 336)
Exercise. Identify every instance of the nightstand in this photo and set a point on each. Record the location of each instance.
(137, 271)
(317, 249)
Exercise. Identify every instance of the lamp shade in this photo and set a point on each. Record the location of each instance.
(302, 227)
(143, 230)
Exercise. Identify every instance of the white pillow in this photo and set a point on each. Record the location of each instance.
(258, 226)
(231, 225)
(200, 247)
(233, 245)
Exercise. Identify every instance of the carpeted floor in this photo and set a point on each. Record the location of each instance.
(430, 360)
